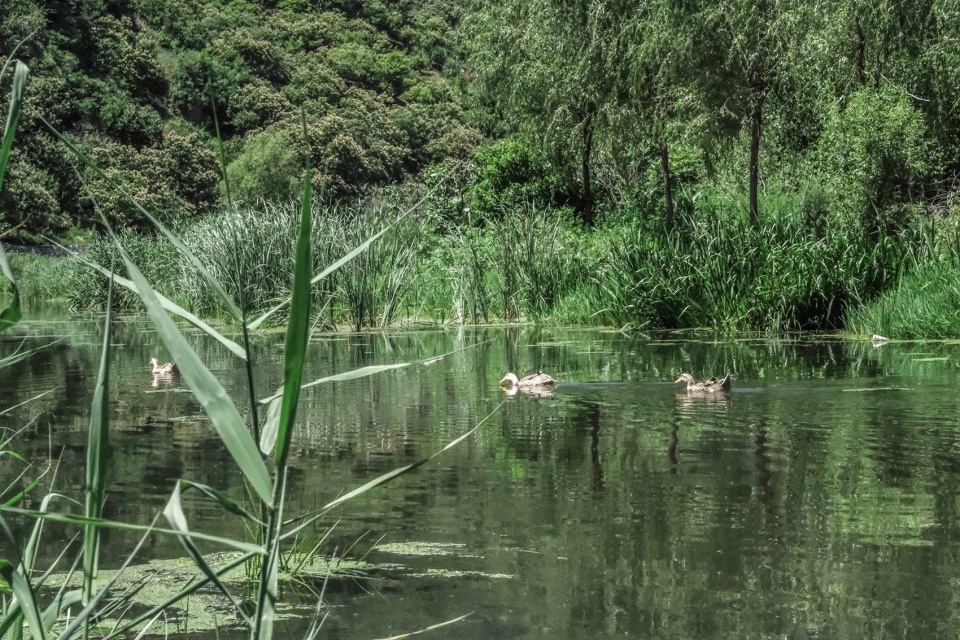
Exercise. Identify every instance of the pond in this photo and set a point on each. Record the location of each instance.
(817, 499)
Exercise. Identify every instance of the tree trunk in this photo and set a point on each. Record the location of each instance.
(860, 51)
(756, 121)
(667, 183)
(587, 201)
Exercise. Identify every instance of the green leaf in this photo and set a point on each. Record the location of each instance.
(362, 372)
(298, 333)
(215, 284)
(172, 307)
(20, 74)
(10, 315)
(178, 522)
(98, 446)
(23, 355)
(20, 586)
(225, 501)
(206, 388)
(76, 520)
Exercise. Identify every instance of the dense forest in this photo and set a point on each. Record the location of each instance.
(745, 164)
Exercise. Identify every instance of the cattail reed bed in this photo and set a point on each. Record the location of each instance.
(712, 269)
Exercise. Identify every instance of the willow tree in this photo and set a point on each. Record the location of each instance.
(540, 65)
(746, 52)
(653, 54)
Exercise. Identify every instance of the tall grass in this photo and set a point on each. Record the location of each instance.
(925, 304)
(250, 252)
(715, 270)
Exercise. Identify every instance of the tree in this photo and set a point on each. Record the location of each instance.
(747, 51)
(542, 67)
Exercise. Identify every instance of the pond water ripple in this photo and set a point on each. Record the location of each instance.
(817, 499)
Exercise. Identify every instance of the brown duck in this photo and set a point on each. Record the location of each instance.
(713, 384)
(538, 379)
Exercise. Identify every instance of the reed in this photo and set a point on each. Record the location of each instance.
(715, 270)
(40, 278)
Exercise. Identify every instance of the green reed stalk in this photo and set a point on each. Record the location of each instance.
(11, 314)
(97, 451)
(297, 340)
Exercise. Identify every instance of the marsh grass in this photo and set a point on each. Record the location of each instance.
(41, 277)
(86, 289)
(925, 304)
(715, 270)
(249, 250)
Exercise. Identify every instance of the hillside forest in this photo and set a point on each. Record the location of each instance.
(744, 164)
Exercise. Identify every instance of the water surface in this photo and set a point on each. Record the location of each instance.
(817, 499)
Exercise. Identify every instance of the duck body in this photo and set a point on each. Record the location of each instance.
(538, 379)
(711, 385)
(168, 368)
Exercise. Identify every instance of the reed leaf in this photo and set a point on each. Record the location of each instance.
(186, 592)
(98, 448)
(185, 251)
(11, 314)
(268, 433)
(206, 388)
(77, 520)
(396, 473)
(298, 332)
(20, 585)
(174, 514)
(222, 499)
(20, 74)
(295, 350)
(170, 306)
(362, 372)
(23, 355)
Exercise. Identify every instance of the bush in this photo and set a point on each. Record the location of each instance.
(873, 152)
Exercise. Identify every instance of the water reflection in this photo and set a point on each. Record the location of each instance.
(816, 498)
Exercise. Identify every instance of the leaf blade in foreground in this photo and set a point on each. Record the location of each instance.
(206, 388)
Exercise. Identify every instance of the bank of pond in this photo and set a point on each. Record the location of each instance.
(536, 265)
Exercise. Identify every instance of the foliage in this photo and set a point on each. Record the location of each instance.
(133, 83)
(874, 152)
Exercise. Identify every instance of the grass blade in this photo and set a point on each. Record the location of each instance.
(178, 521)
(24, 594)
(206, 388)
(67, 518)
(11, 314)
(298, 332)
(98, 448)
(23, 355)
(170, 306)
(362, 372)
(20, 73)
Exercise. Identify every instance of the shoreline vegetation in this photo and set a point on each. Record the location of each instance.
(732, 168)
(699, 166)
(711, 271)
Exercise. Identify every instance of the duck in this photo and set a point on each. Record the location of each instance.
(166, 369)
(713, 384)
(538, 379)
